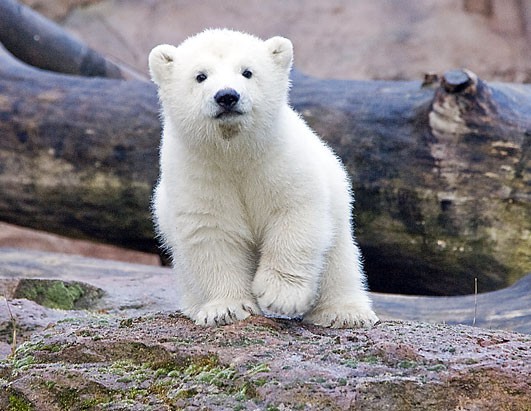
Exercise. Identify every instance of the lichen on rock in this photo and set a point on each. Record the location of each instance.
(166, 362)
(65, 295)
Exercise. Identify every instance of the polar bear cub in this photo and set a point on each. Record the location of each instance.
(254, 207)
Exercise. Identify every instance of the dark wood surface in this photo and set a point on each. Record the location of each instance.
(441, 174)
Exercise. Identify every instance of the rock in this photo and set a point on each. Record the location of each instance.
(128, 288)
(116, 287)
(64, 295)
(165, 362)
(57, 9)
(120, 289)
(506, 309)
(28, 318)
(134, 289)
(19, 237)
(123, 355)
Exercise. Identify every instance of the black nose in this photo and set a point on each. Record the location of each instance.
(227, 98)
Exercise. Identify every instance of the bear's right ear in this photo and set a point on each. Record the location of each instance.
(281, 50)
(161, 61)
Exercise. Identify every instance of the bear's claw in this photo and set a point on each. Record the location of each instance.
(223, 313)
(342, 317)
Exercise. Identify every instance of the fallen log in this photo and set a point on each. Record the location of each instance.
(78, 155)
(42, 43)
(441, 172)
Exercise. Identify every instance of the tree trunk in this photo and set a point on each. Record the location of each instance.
(441, 172)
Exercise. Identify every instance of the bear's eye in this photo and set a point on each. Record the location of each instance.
(201, 77)
(247, 73)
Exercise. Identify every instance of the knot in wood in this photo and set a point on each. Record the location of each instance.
(430, 79)
(456, 81)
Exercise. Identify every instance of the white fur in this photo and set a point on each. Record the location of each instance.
(254, 207)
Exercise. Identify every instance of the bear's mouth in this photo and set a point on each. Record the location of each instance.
(226, 114)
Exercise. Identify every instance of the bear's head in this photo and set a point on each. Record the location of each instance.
(222, 81)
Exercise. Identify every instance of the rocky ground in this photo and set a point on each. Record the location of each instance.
(164, 362)
(88, 334)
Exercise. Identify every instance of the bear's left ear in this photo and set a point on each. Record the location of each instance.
(281, 50)
(161, 61)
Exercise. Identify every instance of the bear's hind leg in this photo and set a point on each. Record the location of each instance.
(344, 301)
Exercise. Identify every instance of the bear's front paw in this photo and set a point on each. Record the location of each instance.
(342, 316)
(283, 293)
(224, 312)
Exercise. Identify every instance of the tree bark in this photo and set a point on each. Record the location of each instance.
(441, 175)
(441, 172)
(78, 155)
